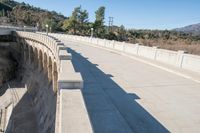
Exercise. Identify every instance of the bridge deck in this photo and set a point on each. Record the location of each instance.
(125, 95)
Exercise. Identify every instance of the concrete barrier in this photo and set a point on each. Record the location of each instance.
(190, 62)
(51, 55)
(175, 58)
(166, 56)
(58, 61)
(4, 32)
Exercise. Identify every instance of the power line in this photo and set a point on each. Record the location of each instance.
(110, 23)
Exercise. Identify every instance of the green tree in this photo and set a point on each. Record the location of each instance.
(83, 22)
(99, 22)
(50, 22)
(70, 25)
(3, 13)
(4, 1)
(121, 33)
(77, 22)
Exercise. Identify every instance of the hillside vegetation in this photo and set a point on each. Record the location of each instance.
(21, 14)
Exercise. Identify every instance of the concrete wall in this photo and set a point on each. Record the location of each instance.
(13, 28)
(52, 78)
(190, 62)
(60, 72)
(175, 58)
(5, 32)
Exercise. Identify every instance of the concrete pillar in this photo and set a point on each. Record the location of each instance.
(97, 41)
(113, 44)
(36, 58)
(180, 56)
(55, 77)
(22, 51)
(155, 48)
(45, 63)
(50, 69)
(29, 55)
(137, 48)
(123, 43)
(25, 53)
(40, 60)
(104, 42)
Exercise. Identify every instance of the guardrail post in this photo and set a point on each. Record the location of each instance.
(123, 46)
(113, 44)
(104, 42)
(137, 48)
(179, 61)
(155, 48)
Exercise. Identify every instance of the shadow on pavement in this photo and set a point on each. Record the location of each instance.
(110, 108)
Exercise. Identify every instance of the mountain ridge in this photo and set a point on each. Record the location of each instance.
(193, 29)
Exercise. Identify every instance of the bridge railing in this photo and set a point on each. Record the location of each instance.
(70, 103)
(52, 45)
(25, 28)
(178, 59)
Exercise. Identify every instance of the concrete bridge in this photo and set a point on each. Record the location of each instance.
(50, 57)
(127, 88)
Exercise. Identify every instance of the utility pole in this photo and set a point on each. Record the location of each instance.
(110, 24)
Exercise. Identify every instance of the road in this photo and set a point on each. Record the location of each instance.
(124, 95)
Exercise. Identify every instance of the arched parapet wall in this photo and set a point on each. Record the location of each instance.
(49, 55)
(40, 49)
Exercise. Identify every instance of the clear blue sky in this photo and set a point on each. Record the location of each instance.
(138, 14)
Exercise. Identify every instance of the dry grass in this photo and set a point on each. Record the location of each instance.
(191, 47)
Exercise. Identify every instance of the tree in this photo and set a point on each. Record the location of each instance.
(70, 24)
(77, 22)
(83, 22)
(3, 13)
(100, 14)
(99, 22)
(4, 1)
(121, 33)
(50, 22)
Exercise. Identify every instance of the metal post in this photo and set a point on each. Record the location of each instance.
(47, 28)
(92, 30)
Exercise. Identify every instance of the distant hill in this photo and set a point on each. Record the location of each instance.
(5, 7)
(10, 3)
(193, 29)
(22, 14)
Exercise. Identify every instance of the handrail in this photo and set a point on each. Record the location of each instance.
(25, 28)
